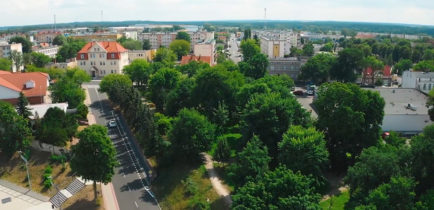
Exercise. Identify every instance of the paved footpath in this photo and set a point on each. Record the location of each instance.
(14, 197)
(108, 192)
(215, 180)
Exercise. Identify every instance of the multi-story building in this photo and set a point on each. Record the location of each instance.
(277, 44)
(102, 58)
(8, 36)
(130, 34)
(205, 49)
(50, 51)
(141, 54)
(46, 36)
(423, 81)
(99, 37)
(5, 52)
(289, 66)
(163, 39)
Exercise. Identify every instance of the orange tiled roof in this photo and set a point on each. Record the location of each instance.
(17, 81)
(110, 47)
(188, 58)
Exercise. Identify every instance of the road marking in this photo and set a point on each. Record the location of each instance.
(137, 206)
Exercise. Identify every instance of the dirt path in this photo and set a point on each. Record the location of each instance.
(215, 180)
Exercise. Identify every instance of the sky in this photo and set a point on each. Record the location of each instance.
(31, 12)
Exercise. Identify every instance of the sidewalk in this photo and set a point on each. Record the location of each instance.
(215, 180)
(14, 197)
(108, 193)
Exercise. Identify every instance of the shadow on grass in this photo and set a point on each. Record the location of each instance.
(83, 204)
(220, 204)
(170, 176)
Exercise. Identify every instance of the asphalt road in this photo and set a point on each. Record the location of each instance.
(130, 178)
(233, 49)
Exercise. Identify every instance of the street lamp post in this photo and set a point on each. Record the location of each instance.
(27, 169)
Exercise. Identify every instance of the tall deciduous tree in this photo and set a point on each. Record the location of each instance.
(139, 71)
(251, 162)
(94, 157)
(402, 65)
(182, 35)
(269, 116)
(160, 84)
(422, 148)
(278, 189)
(351, 118)
(17, 59)
(191, 133)
(249, 48)
(317, 69)
(304, 150)
(348, 64)
(26, 44)
(59, 40)
(39, 59)
(5, 64)
(180, 48)
(308, 49)
(165, 56)
(146, 44)
(113, 81)
(256, 67)
(66, 90)
(180, 97)
(14, 131)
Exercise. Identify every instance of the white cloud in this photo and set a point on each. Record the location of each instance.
(27, 12)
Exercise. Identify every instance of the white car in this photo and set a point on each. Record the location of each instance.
(112, 124)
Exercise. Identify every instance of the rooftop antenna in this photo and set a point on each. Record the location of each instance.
(54, 22)
(265, 18)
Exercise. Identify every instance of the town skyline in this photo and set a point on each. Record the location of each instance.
(401, 12)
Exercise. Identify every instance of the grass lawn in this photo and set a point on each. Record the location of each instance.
(14, 170)
(336, 202)
(181, 186)
(85, 200)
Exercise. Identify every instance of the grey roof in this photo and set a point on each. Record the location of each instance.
(405, 123)
(397, 99)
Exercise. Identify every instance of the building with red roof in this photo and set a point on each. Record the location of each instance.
(369, 76)
(34, 86)
(102, 58)
(188, 58)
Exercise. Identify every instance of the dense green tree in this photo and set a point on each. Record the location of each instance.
(79, 76)
(430, 104)
(256, 67)
(110, 82)
(22, 108)
(146, 44)
(17, 59)
(191, 134)
(39, 59)
(295, 52)
(426, 201)
(132, 44)
(192, 68)
(249, 48)
(14, 131)
(163, 123)
(219, 83)
(182, 35)
(269, 116)
(82, 111)
(428, 54)
(59, 40)
(223, 150)
(180, 97)
(56, 127)
(180, 48)
(304, 150)
(247, 34)
(328, 47)
(250, 163)
(165, 56)
(69, 49)
(26, 44)
(402, 65)
(5, 64)
(160, 84)
(66, 90)
(422, 147)
(359, 111)
(94, 157)
(348, 32)
(373, 62)
(317, 69)
(278, 189)
(397, 194)
(348, 64)
(308, 49)
(375, 166)
(426, 66)
(139, 72)
(55, 73)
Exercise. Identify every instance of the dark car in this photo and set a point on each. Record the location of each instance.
(298, 92)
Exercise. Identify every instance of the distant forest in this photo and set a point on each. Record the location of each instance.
(314, 26)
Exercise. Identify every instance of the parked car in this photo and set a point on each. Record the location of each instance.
(112, 124)
(298, 92)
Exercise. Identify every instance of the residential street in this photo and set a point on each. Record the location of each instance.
(130, 176)
(233, 49)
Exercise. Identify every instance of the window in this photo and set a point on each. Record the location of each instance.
(82, 56)
(113, 55)
(100, 63)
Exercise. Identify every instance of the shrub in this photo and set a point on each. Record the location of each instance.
(82, 111)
